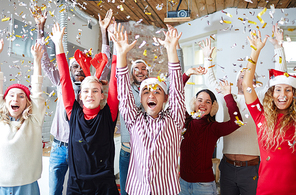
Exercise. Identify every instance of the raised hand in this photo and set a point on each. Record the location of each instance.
(37, 51)
(39, 18)
(256, 41)
(206, 48)
(1, 45)
(58, 34)
(105, 23)
(170, 27)
(225, 87)
(278, 36)
(171, 39)
(120, 40)
(196, 71)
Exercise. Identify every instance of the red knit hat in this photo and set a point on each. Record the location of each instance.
(20, 86)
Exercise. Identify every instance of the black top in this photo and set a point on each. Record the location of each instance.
(91, 148)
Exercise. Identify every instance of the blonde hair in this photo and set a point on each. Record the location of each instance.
(271, 132)
(4, 113)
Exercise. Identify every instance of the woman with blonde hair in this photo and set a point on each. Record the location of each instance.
(21, 118)
(275, 123)
(201, 136)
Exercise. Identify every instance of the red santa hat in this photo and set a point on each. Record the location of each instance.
(278, 77)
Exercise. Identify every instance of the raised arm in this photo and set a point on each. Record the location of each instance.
(193, 71)
(104, 24)
(210, 78)
(38, 107)
(179, 49)
(127, 107)
(67, 87)
(47, 66)
(277, 41)
(257, 45)
(225, 128)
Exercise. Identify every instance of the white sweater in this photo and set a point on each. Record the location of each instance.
(243, 140)
(21, 150)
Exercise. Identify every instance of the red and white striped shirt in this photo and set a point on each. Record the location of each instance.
(155, 143)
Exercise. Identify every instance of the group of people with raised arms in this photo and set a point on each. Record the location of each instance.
(259, 157)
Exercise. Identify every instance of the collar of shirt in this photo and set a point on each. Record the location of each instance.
(13, 119)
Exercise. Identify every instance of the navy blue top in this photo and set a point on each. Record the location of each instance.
(91, 147)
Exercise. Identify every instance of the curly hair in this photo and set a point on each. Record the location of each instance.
(4, 113)
(271, 133)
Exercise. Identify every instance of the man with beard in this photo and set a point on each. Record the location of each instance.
(58, 162)
(139, 72)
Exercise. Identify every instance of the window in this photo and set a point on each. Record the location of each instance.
(290, 47)
(193, 57)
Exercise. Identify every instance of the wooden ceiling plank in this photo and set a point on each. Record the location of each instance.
(242, 4)
(201, 5)
(275, 2)
(219, 5)
(292, 4)
(158, 19)
(283, 3)
(137, 10)
(229, 3)
(254, 4)
(211, 6)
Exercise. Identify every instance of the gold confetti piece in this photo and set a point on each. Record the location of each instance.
(255, 177)
(286, 74)
(121, 8)
(258, 27)
(62, 10)
(189, 24)
(253, 34)
(51, 13)
(52, 60)
(56, 100)
(227, 22)
(279, 148)
(190, 83)
(135, 1)
(264, 25)
(239, 122)
(43, 7)
(291, 29)
(252, 22)
(145, 52)
(71, 58)
(260, 14)
(250, 60)
(231, 84)
(47, 106)
(241, 19)
(21, 13)
(12, 79)
(28, 81)
(280, 59)
(53, 94)
(212, 37)
(229, 15)
(5, 19)
(147, 13)
(29, 76)
(253, 47)
(46, 43)
(46, 38)
(19, 36)
(23, 55)
(33, 29)
(61, 5)
(99, 3)
(211, 66)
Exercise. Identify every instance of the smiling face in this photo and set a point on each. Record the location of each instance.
(283, 97)
(16, 102)
(153, 101)
(203, 103)
(140, 73)
(91, 94)
(77, 72)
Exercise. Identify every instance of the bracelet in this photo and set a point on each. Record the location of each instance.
(252, 61)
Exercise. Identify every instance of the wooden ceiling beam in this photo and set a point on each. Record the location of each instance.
(211, 6)
(283, 3)
(219, 5)
(229, 3)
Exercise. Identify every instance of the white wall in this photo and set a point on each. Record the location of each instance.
(89, 39)
(226, 39)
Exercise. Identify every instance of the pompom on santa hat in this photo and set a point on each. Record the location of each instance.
(278, 77)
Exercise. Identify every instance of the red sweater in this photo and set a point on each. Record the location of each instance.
(68, 91)
(277, 171)
(200, 140)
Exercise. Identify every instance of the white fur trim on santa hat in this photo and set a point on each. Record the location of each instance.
(134, 63)
(153, 81)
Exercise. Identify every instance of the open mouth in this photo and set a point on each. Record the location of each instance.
(15, 107)
(151, 104)
(283, 99)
